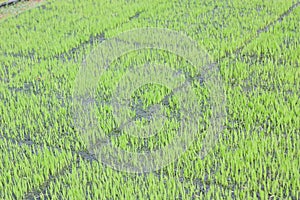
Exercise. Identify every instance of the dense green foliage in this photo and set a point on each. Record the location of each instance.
(255, 44)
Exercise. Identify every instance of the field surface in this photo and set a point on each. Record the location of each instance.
(16, 8)
(254, 45)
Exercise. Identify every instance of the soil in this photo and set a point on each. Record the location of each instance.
(18, 7)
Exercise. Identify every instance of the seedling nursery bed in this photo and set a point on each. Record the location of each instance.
(237, 108)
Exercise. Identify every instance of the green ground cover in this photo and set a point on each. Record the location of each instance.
(253, 43)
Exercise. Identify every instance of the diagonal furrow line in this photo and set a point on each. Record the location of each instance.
(68, 55)
(36, 192)
(280, 18)
(9, 2)
(77, 155)
(43, 187)
(83, 154)
(266, 27)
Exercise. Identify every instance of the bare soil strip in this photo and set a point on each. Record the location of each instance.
(9, 8)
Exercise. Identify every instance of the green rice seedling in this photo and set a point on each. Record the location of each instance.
(258, 147)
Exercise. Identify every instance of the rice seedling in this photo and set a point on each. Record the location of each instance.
(254, 44)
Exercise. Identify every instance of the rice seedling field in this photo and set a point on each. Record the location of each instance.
(126, 99)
